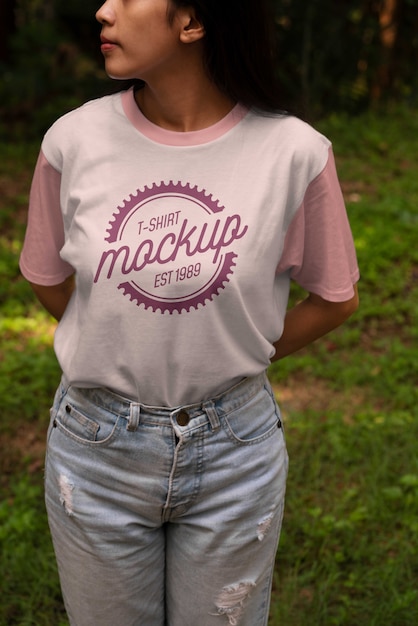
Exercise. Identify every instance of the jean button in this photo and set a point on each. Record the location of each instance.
(183, 418)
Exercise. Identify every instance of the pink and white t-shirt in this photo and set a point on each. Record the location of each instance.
(183, 244)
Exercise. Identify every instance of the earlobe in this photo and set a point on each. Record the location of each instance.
(191, 28)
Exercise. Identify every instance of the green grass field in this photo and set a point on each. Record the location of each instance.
(349, 549)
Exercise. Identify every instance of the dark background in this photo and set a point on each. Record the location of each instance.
(334, 56)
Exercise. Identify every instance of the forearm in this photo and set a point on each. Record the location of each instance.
(311, 319)
(55, 298)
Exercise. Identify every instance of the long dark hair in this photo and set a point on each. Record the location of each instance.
(239, 49)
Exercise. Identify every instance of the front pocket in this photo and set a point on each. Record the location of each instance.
(74, 423)
(255, 421)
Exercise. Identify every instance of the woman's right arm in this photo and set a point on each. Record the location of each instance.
(55, 298)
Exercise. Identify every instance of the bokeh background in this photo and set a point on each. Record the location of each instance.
(348, 554)
(334, 56)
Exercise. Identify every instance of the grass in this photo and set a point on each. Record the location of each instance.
(348, 553)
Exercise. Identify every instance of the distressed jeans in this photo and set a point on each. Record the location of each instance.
(166, 516)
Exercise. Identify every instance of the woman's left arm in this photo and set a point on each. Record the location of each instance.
(310, 319)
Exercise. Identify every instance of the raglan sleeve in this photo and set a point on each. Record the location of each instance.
(40, 261)
(319, 251)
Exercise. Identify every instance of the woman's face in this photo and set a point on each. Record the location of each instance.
(137, 39)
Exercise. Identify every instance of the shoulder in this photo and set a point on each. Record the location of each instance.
(288, 139)
(93, 109)
(287, 126)
(78, 126)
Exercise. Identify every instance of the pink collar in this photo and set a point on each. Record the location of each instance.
(173, 138)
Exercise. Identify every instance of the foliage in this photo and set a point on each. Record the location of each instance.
(36, 88)
(334, 56)
(348, 552)
(27, 567)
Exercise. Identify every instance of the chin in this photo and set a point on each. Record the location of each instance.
(120, 76)
(116, 74)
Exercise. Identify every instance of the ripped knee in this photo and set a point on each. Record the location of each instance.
(66, 494)
(231, 601)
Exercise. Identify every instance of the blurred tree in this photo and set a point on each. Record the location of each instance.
(345, 55)
(389, 14)
(50, 71)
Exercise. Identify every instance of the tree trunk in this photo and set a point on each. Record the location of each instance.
(389, 13)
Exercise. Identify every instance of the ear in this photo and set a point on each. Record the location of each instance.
(191, 28)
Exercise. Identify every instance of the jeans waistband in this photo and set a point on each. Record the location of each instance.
(222, 404)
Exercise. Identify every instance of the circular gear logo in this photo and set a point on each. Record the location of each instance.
(169, 247)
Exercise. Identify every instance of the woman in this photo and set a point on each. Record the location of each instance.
(165, 225)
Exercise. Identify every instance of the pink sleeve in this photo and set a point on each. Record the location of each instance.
(319, 250)
(40, 260)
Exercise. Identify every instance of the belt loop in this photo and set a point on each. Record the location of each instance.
(210, 410)
(134, 415)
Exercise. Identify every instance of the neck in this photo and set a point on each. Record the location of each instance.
(183, 102)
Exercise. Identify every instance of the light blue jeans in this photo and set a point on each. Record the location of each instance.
(166, 516)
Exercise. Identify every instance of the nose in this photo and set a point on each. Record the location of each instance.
(105, 15)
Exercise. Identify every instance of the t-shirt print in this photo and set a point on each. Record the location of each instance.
(172, 245)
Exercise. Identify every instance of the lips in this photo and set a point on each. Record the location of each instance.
(107, 44)
(106, 40)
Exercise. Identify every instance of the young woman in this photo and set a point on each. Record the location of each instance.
(165, 225)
